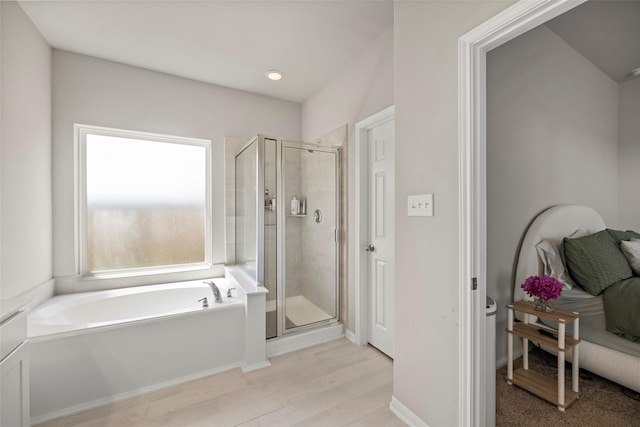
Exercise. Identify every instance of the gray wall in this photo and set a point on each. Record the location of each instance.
(427, 354)
(25, 153)
(552, 138)
(97, 92)
(629, 155)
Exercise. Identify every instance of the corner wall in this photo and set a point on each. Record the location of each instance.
(552, 138)
(364, 88)
(629, 155)
(25, 155)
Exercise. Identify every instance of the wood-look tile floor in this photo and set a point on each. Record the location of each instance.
(332, 384)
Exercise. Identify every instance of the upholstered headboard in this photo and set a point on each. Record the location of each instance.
(556, 222)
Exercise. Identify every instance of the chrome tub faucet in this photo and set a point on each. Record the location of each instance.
(214, 288)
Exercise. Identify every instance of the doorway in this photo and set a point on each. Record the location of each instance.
(375, 252)
(472, 51)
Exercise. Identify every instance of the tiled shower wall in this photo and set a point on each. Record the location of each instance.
(339, 138)
(318, 186)
(270, 217)
(293, 236)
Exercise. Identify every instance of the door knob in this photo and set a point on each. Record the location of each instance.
(369, 248)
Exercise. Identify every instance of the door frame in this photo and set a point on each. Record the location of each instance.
(362, 220)
(472, 50)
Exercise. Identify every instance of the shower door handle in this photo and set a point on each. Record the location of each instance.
(369, 248)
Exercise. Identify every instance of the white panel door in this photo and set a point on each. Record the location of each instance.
(381, 236)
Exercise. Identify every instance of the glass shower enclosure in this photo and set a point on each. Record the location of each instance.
(287, 198)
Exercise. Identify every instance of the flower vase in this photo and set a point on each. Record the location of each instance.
(542, 304)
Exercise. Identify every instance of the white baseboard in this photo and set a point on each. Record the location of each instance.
(287, 344)
(255, 366)
(405, 414)
(351, 336)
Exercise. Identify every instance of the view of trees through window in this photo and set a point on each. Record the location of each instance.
(146, 203)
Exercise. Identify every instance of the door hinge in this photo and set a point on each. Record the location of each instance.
(474, 283)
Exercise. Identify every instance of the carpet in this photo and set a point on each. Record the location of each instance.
(601, 402)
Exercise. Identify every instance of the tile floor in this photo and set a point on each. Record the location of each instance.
(331, 384)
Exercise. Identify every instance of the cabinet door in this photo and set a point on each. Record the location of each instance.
(14, 388)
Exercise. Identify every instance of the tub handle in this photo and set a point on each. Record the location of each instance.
(229, 292)
(205, 302)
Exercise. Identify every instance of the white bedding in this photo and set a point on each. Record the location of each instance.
(592, 321)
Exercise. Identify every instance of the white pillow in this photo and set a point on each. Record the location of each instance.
(631, 250)
(550, 251)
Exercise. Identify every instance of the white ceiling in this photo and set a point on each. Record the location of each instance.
(228, 43)
(233, 43)
(607, 33)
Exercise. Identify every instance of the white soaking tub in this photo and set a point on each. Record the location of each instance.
(94, 348)
(72, 312)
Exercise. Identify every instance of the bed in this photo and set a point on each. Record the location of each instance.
(601, 352)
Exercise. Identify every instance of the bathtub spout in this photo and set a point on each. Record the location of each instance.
(214, 288)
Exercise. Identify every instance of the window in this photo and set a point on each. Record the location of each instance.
(144, 203)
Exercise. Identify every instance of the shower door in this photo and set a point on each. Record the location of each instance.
(308, 236)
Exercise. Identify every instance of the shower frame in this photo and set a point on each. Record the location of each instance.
(281, 209)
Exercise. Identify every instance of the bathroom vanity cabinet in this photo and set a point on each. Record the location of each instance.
(14, 368)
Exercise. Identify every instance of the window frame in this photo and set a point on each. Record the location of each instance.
(81, 132)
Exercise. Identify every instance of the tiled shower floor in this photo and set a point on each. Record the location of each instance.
(300, 311)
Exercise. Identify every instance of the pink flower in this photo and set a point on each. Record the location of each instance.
(544, 287)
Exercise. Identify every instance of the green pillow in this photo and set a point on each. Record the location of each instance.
(595, 262)
(621, 302)
(619, 235)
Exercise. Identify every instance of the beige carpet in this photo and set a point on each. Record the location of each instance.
(601, 402)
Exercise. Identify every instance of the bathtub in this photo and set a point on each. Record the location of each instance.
(95, 348)
(78, 312)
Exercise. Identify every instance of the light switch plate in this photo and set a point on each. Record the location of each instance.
(420, 205)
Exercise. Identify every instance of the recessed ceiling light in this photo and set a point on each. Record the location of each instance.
(274, 75)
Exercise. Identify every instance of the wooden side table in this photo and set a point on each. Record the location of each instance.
(536, 383)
